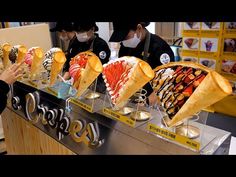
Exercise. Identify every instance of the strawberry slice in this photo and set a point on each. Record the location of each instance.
(178, 69)
(188, 91)
(189, 78)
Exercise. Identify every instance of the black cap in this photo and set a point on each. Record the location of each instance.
(121, 29)
(85, 26)
(67, 26)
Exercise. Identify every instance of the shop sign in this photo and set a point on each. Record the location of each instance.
(174, 137)
(79, 130)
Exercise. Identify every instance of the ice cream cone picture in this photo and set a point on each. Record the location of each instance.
(190, 42)
(6, 50)
(84, 69)
(185, 88)
(208, 45)
(36, 62)
(124, 77)
(59, 59)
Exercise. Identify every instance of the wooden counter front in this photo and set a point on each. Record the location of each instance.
(21, 137)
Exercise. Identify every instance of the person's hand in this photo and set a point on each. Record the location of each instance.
(11, 74)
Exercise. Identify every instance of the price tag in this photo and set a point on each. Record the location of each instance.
(174, 137)
(119, 117)
(82, 105)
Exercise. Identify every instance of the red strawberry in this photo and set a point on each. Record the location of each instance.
(178, 69)
(188, 91)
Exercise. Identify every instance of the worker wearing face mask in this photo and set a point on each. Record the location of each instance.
(88, 39)
(66, 33)
(137, 41)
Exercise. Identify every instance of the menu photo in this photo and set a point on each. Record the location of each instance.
(191, 43)
(210, 25)
(209, 44)
(210, 63)
(228, 66)
(191, 25)
(230, 25)
(230, 45)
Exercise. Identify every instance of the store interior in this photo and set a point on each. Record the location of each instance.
(101, 128)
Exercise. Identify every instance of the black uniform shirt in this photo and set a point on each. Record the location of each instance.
(157, 48)
(98, 47)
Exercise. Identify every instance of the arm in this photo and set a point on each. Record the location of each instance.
(4, 89)
(9, 76)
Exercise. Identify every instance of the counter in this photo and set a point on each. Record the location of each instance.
(77, 131)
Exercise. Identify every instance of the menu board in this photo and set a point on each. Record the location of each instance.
(202, 43)
(228, 52)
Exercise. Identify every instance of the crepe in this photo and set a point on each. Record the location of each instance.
(6, 50)
(185, 88)
(48, 57)
(85, 67)
(124, 77)
(59, 59)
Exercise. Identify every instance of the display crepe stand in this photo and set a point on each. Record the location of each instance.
(134, 109)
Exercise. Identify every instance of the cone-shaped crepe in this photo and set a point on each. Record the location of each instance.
(48, 57)
(57, 64)
(92, 70)
(125, 76)
(36, 62)
(185, 88)
(6, 50)
(22, 50)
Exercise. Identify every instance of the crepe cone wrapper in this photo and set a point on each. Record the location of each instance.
(213, 88)
(6, 50)
(92, 70)
(140, 74)
(21, 54)
(37, 62)
(58, 61)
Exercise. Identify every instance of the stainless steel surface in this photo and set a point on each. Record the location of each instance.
(140, 115)
(92, 95)
(117, 137)
(125, 110)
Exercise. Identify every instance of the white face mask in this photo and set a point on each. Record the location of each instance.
(82, 37)
(133, 42)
